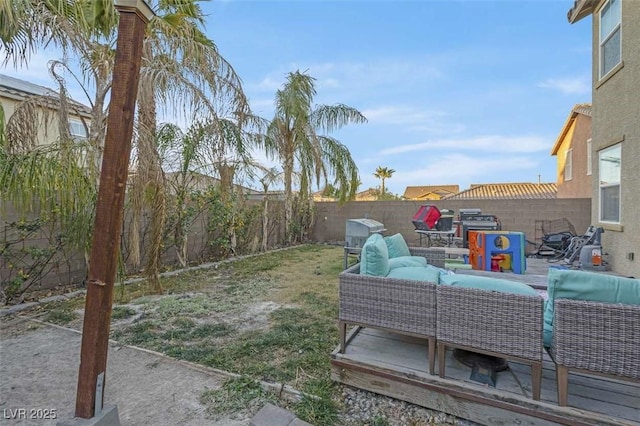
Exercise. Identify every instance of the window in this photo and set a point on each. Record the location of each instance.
(610, 161)
(77, 129)
(568, 164)
(610, 51)
(589, 157)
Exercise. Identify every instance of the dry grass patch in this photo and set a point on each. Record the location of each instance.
(270, 317)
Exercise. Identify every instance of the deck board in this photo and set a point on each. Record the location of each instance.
(397, 366)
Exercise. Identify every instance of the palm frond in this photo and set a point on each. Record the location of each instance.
(328, 118)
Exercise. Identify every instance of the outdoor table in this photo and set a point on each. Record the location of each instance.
(436, 235)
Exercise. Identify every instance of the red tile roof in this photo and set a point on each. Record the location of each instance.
(507, 191)
(412, 192)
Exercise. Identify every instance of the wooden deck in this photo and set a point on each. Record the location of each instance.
(397, 366)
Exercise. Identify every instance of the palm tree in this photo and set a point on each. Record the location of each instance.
(181, 70)
(383, 173)
(295, 139)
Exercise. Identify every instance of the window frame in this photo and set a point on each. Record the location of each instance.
(603, 40)
(85, 133)
(568, 164)
(610, 185)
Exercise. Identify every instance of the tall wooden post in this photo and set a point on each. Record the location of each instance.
(134, 15)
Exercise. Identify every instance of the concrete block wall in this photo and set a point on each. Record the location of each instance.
(65, 268)
(515, 215)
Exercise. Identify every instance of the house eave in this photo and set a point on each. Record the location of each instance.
(563, 133)
(581, 9)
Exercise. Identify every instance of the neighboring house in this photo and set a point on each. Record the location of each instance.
(202, 182)
(507, 191)
(370, 194)
(430, 192)
(573, 152)
(616, 127)
(14, 91)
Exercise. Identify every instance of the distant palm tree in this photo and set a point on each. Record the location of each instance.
(383, 173)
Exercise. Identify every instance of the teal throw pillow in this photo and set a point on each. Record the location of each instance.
(374, 258)
(397, 246)
(486, 283)
(402, 261)
(416, 273)
(591, 286)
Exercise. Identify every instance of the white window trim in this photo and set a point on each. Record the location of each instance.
(74, 120)
(602, 41)
(568, 164)
(589, 157)
(600, 186)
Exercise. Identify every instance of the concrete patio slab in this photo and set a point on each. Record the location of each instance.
(39, 371)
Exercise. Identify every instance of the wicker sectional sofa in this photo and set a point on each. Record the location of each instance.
(592, 326)
(433, 312)
(590, 323)
(403, 306)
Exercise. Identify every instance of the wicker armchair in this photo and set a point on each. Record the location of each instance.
(595, 338)
(398, 305)
(498, 324)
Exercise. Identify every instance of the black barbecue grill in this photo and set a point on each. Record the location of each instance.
(474, 220)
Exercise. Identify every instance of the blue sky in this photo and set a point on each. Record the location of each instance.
(456, 92)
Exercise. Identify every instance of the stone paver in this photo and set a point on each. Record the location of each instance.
(270, 415)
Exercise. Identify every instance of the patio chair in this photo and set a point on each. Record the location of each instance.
(595, 338)
(501, 325)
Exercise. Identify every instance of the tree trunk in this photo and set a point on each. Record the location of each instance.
(150, 171)
(288, 196)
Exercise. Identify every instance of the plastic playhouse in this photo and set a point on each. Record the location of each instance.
(497, 251)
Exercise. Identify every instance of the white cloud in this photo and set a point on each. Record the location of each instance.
(270, 83)
(353, 75)
(569, 86)
(455, 168)
(413, 119)
(481, 144)
(36, 71)
(400, 115)
(262, 107)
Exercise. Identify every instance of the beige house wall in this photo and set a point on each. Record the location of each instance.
(616, 118)
(515, 215)
(580, 185)
(48, 129)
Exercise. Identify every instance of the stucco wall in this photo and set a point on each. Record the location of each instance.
(580, 184)
(48, 131)
(616, 117)
(515, 215)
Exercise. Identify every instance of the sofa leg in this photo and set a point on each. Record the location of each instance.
(343, 336)
(536, 380)
(441, 358)
(562, 378)
(432, 355)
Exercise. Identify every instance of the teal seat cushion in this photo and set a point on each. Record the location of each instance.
(486, 283)
(402, 261)
(427, 273)
(374, 258)
(590, 286)
(397, 246)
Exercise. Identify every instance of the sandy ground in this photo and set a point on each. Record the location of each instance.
(39, 370)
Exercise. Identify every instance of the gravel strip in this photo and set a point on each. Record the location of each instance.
(361, 407)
